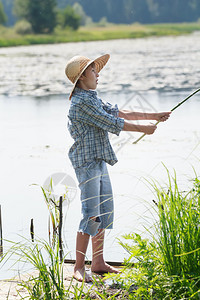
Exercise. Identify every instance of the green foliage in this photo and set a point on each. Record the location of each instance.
(143, 275)
(9, 37)
(84, 19)
(168, 267)
(21, 8)
(68, 18)
(178, 228)
(126, 11)
(8, 6)
(165, 268)
(47, 282)
(103, 22)
(40, 14)
(3, 17)
(23, 27)
(143, 11)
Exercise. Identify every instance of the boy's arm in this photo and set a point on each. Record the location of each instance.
(147, 129)
(133, 115)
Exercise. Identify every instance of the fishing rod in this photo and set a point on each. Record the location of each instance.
(175, 107)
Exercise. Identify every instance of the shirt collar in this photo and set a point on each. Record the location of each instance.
(90, 92)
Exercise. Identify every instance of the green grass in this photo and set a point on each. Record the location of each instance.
(179, 229)
(8, 36)
(47, 281)
(165, 268)
(168, 266)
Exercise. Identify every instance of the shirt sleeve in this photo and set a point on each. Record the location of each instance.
(93, 114)
(110, 109)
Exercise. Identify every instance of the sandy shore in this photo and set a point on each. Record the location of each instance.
(10, 288)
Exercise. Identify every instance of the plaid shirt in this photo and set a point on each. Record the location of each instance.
(90, 120)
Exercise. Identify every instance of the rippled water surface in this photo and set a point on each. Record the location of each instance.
(151, 74)
(164, 63)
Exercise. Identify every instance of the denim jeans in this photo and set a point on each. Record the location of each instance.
(96, 197)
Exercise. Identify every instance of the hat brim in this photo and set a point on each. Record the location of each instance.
(100, 62)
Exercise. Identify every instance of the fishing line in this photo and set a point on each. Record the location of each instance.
(175, 107)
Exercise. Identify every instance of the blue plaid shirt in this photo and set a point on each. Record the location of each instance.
(90, 120)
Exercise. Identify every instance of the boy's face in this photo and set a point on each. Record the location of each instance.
(89, 80)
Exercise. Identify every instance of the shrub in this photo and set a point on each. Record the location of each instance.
(23, 27)
(68, 18)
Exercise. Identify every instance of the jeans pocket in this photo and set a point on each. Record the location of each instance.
(89, 171)
(91, 165)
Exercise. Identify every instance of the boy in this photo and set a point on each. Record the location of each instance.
(90, 120)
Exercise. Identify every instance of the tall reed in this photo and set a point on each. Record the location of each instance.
(178, 228)
(168, 266)
(49, 282)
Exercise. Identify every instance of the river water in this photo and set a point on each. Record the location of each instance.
(151, 74)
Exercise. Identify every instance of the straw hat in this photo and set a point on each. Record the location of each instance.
(78, 64)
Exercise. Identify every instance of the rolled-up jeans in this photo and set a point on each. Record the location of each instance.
(96, 197)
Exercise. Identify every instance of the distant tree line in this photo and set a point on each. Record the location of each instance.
(143, 11)
(3, 17)
(40, 16)
(44, 15)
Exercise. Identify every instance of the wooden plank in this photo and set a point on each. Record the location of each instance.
(111, 263)
(32, 231)
(60, 227)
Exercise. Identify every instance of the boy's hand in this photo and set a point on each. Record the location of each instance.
(163, 116)
(149, 129)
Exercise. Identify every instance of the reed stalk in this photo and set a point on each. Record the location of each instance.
(178, 228)
(167, 266)
(55, 208)
(49, 282)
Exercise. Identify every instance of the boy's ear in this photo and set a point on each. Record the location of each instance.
(81, 77)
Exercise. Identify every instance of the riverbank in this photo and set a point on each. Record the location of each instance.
(12, 288)
(9, 37)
